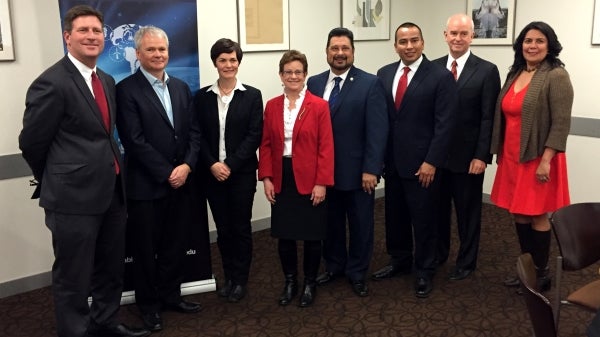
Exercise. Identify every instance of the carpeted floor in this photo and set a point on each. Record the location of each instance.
(477, 306)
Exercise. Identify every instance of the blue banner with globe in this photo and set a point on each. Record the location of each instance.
(178, 18)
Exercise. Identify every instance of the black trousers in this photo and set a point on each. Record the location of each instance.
(466, 191)
(410, 211)
(89, 252)
(231, 204)
(161, 230)
(288, 255)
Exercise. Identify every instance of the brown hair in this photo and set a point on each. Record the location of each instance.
(291, 56)
(80, 10)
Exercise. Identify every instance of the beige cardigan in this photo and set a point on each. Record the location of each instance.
(546, 113)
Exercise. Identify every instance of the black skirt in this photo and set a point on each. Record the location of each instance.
(293, 216)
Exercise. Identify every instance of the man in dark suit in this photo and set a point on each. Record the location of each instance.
(161, 141)
(67, 141)
(462, 174)
(358, 115)
(421, 98)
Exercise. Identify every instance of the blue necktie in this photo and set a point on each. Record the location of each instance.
(334, 92)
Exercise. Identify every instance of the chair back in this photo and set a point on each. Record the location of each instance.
(538, 306)
(577, 231)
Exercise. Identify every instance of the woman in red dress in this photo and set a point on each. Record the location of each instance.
(531, 125)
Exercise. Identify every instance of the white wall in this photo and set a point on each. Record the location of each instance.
(25, 247)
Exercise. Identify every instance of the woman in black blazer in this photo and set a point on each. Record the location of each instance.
(231, 116)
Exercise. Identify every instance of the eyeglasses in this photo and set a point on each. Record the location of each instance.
(289, 73)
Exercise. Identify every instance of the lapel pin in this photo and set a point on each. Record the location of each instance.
(351, 79)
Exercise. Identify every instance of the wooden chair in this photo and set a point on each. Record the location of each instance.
(577, 231)
(538, 306)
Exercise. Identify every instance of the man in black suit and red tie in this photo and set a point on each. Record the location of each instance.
(161, 140)
(478, 84)
(67, 140)
(422, 99)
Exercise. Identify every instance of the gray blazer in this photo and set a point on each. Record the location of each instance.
(546, 114)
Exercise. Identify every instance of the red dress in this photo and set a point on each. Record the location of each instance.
(516, 187)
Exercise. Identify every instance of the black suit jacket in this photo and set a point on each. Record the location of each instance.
(421, 129)
(243, 128)
(65, 143)
(153, 147)
(478, 87)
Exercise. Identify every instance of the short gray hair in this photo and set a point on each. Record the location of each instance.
(151, 30)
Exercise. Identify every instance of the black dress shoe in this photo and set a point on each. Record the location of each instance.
(237, 293)
(360, 288)
(119, 330)
(459, 274)
(423, 287)
(184, 307)
(289, 290)
(308, 295)
(152, 321)
(389, 271)
(225, 289)
(326, 277)
(511, 281)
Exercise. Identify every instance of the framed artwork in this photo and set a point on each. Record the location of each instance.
(596, 24)
(7, 52)
(367, 19)
(494, 21)
(263, 25)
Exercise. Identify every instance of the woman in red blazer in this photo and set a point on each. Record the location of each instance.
(296, 166)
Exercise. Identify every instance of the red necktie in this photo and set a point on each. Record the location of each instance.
(402, 84)
(100, 98)
(453, 70)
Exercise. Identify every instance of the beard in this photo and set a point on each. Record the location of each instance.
(340, 66)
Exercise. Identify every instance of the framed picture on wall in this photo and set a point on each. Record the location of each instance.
(367, 19)
(596, 24)
(494, 21)
(263, 25)
(7, 52)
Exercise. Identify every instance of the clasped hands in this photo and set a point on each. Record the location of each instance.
(220, 171)
(179, 175)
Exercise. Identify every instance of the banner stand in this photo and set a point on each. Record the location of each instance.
(188, 288)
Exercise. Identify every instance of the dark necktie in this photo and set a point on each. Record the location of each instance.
(335, 91)
(453, 70)
(100, 98)
(402, 84)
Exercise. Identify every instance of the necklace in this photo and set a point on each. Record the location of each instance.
(225, 94)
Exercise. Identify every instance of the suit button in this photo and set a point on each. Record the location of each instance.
(176, 137)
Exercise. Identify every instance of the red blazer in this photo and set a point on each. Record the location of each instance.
(312, 144)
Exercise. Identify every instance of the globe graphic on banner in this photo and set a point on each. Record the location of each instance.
(123, 44)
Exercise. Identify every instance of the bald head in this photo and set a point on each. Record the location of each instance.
(460, 18)
(459, 34)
